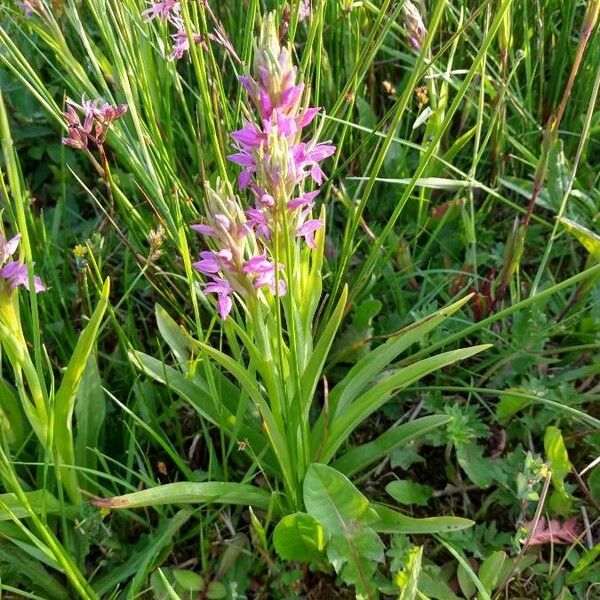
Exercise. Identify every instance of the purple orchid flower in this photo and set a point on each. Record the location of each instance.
(164, 9)
(263, 271)
(222, 288)
(15, 272)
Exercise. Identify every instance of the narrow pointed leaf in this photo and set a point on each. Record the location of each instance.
(392, 521)
(64, 400)
(377, 360)
(344, 423)
(314, 368)
(212, 492)
(360, 457)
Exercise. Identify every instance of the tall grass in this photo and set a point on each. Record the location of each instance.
(483, 182)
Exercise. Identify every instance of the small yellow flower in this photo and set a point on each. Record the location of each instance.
(80, 251)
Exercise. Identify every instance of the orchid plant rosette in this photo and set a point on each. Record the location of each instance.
(267, 259)
(261, 267)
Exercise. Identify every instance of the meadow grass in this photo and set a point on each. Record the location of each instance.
(467, 164)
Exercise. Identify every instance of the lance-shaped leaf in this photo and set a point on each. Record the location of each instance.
(270, 426)
(367, 369)
(358, 458)
(183, 492)
(196, 393)
(180, 344)
(64, 400)
(363, 372)
(352, 416)
(391, 521)
(314, 368)
(40, 502)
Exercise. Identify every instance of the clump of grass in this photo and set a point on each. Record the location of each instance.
(466, 164)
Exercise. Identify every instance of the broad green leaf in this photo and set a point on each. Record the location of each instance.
(334, 501)
(64, 400)
(391, 521)
(299, 537)
(409, 492)
(560, 466)
(211, 492)
(408, 580)
(358, 458)
(355, 559)
(490, 570)
(353, 547)
(216, 590)
(188, 581)
(353, 415)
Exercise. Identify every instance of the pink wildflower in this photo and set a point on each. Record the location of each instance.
(271, 152)
(222, 288)
(163, 9)
(96, 122)
(181, 41)
(263, 271)
(275, 160)
(307, 231)
(15, 272)
(305, 11)
(31, 7)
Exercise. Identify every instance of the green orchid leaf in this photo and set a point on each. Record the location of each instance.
(211, 492)
(391, 521)
(358, 458)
